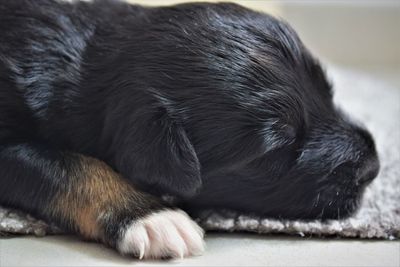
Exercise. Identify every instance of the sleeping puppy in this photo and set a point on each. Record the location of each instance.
(106, 106)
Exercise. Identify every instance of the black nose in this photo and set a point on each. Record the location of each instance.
(368, 162)
(362, 171)
(368, 170)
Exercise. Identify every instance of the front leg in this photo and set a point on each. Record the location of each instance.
(83, 195)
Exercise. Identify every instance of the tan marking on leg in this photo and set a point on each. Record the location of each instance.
(95, 190)
(86, 220)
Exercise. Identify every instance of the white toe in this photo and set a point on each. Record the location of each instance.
(194, 242)
(167, 233)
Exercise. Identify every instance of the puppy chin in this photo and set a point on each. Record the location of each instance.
(339, 205)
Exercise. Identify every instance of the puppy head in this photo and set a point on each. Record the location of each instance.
(258, 110)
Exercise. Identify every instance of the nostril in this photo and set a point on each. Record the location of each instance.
(346, 169)
(362, 172)
(368, 171)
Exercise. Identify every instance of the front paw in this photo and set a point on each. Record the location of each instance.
(162, 234)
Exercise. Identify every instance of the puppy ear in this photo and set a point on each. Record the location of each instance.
(156, 154)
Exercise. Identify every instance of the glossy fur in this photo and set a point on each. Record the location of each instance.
(214, 104)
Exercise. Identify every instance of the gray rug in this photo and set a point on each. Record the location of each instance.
(374, 103)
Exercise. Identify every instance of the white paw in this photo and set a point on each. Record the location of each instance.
(168, 233)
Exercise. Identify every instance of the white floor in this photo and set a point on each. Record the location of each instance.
(222, 249)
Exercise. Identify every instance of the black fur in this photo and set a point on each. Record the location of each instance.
(213, 103)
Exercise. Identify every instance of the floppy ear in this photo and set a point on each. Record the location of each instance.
(154, 152)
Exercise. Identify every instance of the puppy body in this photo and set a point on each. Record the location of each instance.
(215, 104)
(58, 120)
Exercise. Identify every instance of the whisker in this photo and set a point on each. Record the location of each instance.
(316, 202)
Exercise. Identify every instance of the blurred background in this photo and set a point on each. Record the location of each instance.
(357, 34)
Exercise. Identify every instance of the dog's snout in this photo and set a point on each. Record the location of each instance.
(362, 172)
(368, 162)
(362, 165)
(368, 170)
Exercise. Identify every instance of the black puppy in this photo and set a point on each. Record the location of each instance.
(214, 104)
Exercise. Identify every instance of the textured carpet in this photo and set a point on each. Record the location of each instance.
(375, 104)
